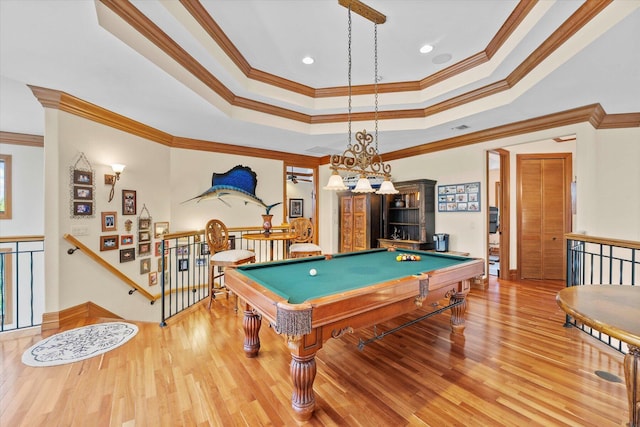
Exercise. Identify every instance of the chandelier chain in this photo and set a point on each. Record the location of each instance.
(362, 157)
(349, 78)
(375, 79)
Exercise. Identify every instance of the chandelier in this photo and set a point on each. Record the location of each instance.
(362, 158)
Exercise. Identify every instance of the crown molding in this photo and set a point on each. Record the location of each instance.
(62, 101)
(21, 139)
(593, 114)
(568, 29)
(148, 29)
(50, 98)
(199, 13)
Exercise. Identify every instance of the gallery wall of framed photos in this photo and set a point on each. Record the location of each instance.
(126, 232)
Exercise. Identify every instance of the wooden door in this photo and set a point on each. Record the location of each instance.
(346, 224)
(544, 214)
(360, 221)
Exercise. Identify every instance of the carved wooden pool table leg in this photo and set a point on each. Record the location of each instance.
(303, 373)
(251, 325)
(458, 312)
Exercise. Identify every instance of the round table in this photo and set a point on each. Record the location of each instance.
(271, 238)
(613, 310)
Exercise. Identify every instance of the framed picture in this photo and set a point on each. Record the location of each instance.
(126, 239)
(183, 264)
(166, 263)
(144, 236)
(145, 265)
(160, 229)
(144, 249)
(82, 193)
(153, 278)
(109, 221)
(204, 249)
(83, 208)
(182, 250)
(129, 202)
(127, 255)
(157, 248)
(144, 223)
(459, 197)
(295, 208)
(82, 177)
(201, 262)
(108, 243)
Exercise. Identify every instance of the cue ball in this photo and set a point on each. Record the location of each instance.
(313, 272)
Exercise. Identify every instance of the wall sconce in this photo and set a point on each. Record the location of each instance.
(111, 179)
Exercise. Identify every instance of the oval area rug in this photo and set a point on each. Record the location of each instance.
(79, 344)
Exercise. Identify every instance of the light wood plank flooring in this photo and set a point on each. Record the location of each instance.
(516, 366)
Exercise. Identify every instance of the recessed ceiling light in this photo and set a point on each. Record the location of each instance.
(426, 48)
(307, 60)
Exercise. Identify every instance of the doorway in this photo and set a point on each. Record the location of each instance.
(499, 205)
(301, 186)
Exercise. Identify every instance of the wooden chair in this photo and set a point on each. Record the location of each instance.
(217, 237)
(302, 245)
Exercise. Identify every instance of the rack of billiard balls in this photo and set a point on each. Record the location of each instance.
(407, 257)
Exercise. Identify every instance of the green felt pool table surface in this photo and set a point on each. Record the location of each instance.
(291, 280)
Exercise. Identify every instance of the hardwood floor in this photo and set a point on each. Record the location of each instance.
(515, 366)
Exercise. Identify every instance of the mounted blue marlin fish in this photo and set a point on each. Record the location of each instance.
(239, 182)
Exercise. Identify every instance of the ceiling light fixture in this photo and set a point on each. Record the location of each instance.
(307, 60)
(362, 158)
(426, 48)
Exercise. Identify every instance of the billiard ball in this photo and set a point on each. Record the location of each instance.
(313, 272)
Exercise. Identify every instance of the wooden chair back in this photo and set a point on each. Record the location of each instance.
(217, 236)
(303, 229)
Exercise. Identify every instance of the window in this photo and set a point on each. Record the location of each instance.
(5, 186)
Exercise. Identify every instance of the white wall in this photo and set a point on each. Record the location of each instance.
(616, 198)
(605, 166)
(163, 178)
(191, 172)
(80, 279)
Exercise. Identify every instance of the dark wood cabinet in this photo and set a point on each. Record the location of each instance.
(360, 221)
(409, 217)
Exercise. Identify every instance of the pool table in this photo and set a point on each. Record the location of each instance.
(350, 291)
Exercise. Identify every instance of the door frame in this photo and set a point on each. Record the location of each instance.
(504, 210)
(314, 195)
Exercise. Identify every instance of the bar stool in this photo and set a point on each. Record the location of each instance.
(217, 236)
(302, 245)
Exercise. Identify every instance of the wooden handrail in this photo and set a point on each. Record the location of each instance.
(603, 240)
(179, 234)
(94, 256)
(12, 239)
